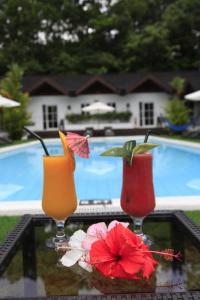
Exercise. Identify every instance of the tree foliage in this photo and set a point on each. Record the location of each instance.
(15, 118)
(178, 85)
(99, 36)
(177, 112)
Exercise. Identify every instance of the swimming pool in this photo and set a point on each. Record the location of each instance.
(176, 172)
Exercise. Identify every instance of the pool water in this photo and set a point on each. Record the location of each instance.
(176, 172)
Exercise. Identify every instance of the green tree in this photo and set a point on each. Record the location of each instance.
(15, 118)
(181, 18)
(178, 86)
(94, 36)
(176, 110)
(147, 50)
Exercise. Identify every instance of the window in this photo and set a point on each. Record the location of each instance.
(44, 117)
(82, 106)
(50, 117)
(113, 104)
(146, 113)
(141, 113)
(149, 113)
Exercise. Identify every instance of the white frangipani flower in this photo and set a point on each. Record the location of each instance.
(76, 251)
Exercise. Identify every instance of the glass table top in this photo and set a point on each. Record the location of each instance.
(33, 270)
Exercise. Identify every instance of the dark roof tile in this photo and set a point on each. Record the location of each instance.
(73, 83)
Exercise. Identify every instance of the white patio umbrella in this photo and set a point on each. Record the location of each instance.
(98, 108)
(5, 102)
(193, 96)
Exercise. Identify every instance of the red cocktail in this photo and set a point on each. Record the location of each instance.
(137, 197)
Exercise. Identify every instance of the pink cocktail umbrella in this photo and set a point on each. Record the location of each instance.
(79, 144)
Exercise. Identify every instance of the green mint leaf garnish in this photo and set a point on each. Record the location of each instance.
(118, 151)
(140, 149)
(143, 148)
(128, 150)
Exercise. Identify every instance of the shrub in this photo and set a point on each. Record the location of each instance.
(109, 117)
(15, 118)
(177, 112)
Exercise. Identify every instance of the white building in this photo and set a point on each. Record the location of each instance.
(145, 96)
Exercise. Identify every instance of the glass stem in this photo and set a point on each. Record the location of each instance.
(138, 225)
(60, 225)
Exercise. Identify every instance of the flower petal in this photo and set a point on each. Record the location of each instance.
(71, 257)
(77, 238)
(131, 266)
(100, 253)
(87, 243)
(118, 272)
(115, 239)
(98, 230)
(86, 266)
(115, 222)
(149, 267)
(112, 269)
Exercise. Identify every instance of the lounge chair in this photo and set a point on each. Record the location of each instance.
(108, 131)
(4, 140)
(192, 134)
(179, 128)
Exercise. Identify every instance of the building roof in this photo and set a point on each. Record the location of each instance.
(114, 83)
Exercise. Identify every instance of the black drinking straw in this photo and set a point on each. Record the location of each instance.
(39, 138)
(147, 136)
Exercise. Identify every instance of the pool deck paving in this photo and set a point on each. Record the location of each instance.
(162, 203)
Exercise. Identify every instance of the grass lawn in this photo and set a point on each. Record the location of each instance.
(194, 215)
(17, 142)
(181, 138)
(7, 223)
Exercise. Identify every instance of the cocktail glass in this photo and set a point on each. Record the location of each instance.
(137, 196)
(59, 195)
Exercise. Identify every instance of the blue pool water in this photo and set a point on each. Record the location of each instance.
(176, 172)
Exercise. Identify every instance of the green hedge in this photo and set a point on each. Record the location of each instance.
(108, 117)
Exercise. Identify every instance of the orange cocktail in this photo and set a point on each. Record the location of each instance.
(59, 195)
(59, 199)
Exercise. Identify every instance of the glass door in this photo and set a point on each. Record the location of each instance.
(146, 111)
(50, 116)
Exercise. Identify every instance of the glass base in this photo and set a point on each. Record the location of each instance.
(56, 242)
(146, 239)
(138, 221)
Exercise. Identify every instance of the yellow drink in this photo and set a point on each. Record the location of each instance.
(59, 195)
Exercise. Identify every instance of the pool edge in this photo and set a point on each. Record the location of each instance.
(162, 203)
